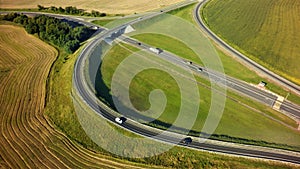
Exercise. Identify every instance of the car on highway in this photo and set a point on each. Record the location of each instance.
(200, 69)
(189, 62)
(120, 120)
(186, 140)
(156, 50)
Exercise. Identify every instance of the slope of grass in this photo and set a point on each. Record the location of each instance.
(102, 22)
(266, 31)
(112, 23)
(182, 13)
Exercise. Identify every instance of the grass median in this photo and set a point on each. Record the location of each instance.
(244, 122)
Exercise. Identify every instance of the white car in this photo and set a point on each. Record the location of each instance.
(120, 120)
(189, 62)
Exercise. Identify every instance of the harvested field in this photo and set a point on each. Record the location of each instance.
(107, 6)
(27, 139)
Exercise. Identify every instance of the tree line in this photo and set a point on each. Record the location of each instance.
(53, 30)
(71, 11)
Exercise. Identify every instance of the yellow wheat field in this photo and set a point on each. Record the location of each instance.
(107, 6)
(27, 139)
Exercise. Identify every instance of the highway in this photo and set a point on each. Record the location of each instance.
(274, 77)
(91, 100)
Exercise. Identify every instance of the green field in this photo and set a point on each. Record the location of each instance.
(266, 31)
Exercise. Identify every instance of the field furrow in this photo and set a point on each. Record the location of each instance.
(21, 128)
(19, 113)
(27, 138)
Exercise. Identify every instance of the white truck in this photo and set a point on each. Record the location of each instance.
(155, 50)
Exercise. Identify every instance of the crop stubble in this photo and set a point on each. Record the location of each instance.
(27, 138)
(108, 6)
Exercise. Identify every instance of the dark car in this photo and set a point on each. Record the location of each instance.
(186, 140)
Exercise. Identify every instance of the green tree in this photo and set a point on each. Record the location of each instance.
(22, 19)
(40, 7)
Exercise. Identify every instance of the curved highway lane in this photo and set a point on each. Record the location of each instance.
(90, 99)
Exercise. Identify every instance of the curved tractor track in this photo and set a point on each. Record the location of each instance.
(27, 138)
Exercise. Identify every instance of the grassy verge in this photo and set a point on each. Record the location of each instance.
(59, 104)
(182, 13)
(102, 22)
